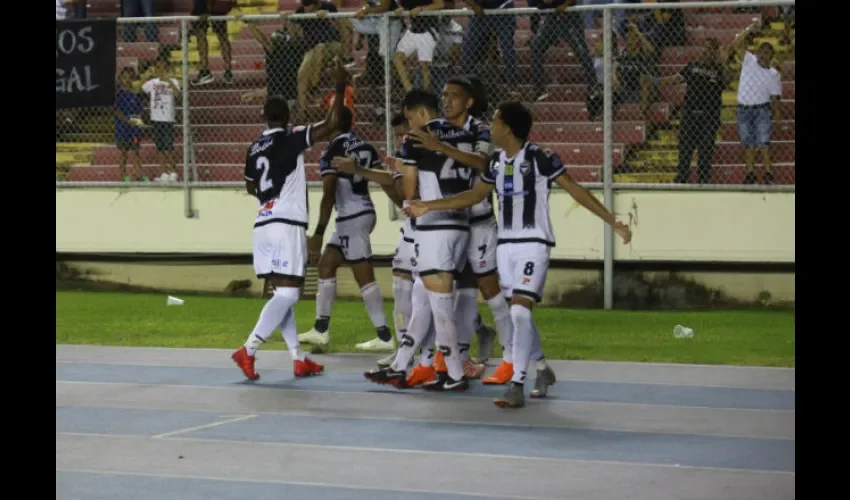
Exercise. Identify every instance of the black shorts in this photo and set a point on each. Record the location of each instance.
(163, 135)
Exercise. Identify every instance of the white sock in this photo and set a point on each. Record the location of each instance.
(537, 349)
(466, 310)
(402, 305)
(271, 317)
(429, 347)
(290, 335)
(374, 301)
(417, 329)
(504, 325)
(325, 295)
(443, 307)
(523, 341)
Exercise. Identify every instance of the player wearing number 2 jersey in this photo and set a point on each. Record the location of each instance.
(274, 174)
(522, 173)
(351, 239)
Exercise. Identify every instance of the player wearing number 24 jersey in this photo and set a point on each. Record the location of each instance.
(274, 174)
(522, 173)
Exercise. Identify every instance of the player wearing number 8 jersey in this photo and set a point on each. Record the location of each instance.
(274, 174)
(351, 239)
(522, 174)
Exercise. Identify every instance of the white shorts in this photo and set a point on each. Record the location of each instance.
(375, 26)
(352, 237)
(280, 250)
(523, 268)
(421, 44)
(481, 251)
(403, 254)
(439, 251)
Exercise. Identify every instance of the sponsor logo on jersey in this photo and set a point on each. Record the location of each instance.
(280, 263)
(267, 209)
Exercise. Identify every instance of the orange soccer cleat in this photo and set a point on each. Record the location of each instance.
(245, 363)
(440, 363)
(421, 375)
(307, 368)
(503, 374)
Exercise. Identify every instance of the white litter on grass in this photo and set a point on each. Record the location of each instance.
(173, 301)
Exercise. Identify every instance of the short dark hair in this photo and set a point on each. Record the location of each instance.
(479, 94)
(463, 83)
(517, 117)
(346, 120)
(398, 120)
(276, 110)
(421, 98)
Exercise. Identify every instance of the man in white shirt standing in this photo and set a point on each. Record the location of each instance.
(164, 91)
(759, 93)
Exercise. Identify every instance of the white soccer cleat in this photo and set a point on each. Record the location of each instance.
(388, 359)
(377, 344)
(314, 337)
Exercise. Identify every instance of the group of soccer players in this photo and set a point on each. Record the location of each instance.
(451, 244)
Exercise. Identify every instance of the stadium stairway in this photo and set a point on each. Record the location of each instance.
(645, 149)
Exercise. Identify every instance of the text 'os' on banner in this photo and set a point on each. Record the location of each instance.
(85, 63)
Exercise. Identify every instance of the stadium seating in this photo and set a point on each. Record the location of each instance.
(645, 150)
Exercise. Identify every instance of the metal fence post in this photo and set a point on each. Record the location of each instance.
(187, 143)
(607, 158)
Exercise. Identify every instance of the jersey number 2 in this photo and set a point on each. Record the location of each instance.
(263, 164)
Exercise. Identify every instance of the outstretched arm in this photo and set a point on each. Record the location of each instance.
(462, 200)
(586, 199)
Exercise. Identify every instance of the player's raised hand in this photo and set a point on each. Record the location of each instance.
(425, 139)
(416, 208)
(394, 164)
(624, 232)
(344, 164)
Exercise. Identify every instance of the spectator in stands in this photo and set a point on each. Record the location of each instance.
(128, 111)
(591, 16)
(706, 78)
(635, 70)
(478, 32)
(350, 92)
(346, 35)
(664, 28)
(283, 54)
(139, 8)
(78, 7)
(321, 41)
(759, 94)
(203, 8)
(556, 27)
(372, 26)
(420, 39)
(164, 91)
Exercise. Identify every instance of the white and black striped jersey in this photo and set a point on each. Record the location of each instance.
(407, 226)
(480, 135)
(352, 197)
(438, 175)
(275, 164)
(523, 184)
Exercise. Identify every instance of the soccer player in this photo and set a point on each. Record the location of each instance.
(274, 174)
(522, 173)
(471, 147)
(439, 247)
(351, 239)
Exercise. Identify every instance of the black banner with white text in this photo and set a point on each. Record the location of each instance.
(85, 63)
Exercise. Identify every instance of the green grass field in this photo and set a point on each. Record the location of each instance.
(761, 338)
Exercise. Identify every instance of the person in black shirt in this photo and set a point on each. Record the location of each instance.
(419, 39)
(274, 175)
(321, 39)
(283, 52)
(634, 70)
(706, 78)
(556, 27)
(478, 33)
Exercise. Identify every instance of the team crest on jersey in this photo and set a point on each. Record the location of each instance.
(525, 168)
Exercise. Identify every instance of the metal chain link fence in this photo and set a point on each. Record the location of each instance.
(701, 96)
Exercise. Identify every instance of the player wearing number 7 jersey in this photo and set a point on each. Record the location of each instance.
(522, 173)
(351, 239)
(274, 174)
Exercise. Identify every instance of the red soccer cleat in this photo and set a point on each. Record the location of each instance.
(307, 368)
(245, 363)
